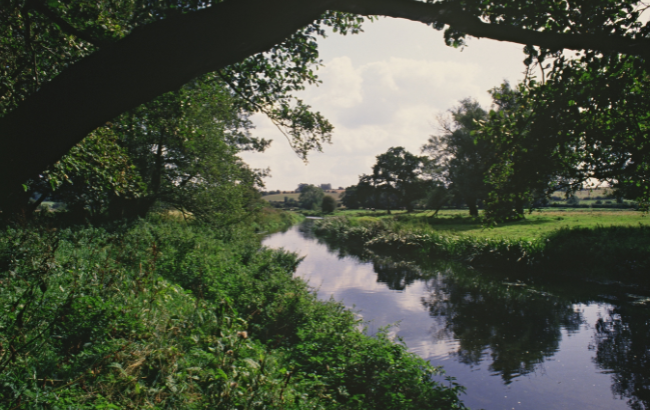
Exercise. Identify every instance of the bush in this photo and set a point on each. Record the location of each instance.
(329, 204)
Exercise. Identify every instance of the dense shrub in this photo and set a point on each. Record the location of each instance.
(329, 204)
(169, 315)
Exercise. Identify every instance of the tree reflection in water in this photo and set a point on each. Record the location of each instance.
(518, 326)
(397, 275)
(622, 346)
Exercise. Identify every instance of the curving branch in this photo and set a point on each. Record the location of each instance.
(152, 60)
(429, 13)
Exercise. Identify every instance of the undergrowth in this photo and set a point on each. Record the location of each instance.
(171, 315)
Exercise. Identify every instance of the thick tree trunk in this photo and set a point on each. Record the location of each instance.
(471, 204)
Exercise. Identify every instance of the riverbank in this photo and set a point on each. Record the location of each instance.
(164, 313)
(604, 243)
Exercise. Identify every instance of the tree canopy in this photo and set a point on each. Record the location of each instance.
(586, 125)
(69, 67)
(396, 181)
(311, 197)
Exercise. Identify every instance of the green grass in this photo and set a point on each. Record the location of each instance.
(536, 225)
(609, 243)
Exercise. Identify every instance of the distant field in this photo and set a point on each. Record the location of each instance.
(280, 197)
(586, 194)
(535, 225)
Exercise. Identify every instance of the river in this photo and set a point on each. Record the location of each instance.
(514, 344)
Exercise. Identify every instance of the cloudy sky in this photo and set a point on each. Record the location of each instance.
(380, 89)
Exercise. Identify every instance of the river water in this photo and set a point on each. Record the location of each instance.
(523, 343)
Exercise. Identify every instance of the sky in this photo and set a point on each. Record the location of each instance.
(384, 88)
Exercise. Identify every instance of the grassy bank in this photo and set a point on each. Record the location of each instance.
(605, 242)
(163, 314)
(536, 225)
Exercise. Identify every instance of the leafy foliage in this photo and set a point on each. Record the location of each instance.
(95, 173)
(167, 314)
(588, 124)
(328, 204)
(604, 17)
(622, 251)
(185, 146)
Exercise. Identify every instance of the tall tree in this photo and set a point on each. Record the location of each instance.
(328, 204)
(586, 123)
(185, 146)
(396, 178)
(90, 178)
(311, 197)
(361, 195)
(457, 158)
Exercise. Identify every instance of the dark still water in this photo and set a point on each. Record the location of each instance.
(513, 343)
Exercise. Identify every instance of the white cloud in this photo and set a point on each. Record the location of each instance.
(381, 89)
(342, 84)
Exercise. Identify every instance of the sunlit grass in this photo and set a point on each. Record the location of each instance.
(535, 225)
(608, 243)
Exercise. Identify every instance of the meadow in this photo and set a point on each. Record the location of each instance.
(536, 225)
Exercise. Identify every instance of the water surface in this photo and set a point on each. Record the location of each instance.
(514, 343)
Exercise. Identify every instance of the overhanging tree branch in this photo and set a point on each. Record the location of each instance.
(154, 59)
(461, 21)
(164, 55)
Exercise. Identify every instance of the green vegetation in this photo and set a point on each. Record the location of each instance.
(104, 309)
(328, 205)
(606, 242)
(147, 287)
(536, 225)
(167, 314)
(457, 160)
(295, 195)
(310, 197)
(395, 183)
